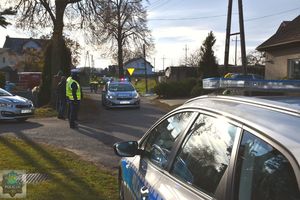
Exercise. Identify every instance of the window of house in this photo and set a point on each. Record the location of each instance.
(263, 172)
(205, 155)
(163, 137)
(3, 60)
(294, 69)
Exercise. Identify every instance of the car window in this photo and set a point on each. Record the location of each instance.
(205, 154)
(162, 138)
(263, 172)
(119, 87)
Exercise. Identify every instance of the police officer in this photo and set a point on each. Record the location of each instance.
(73, 93)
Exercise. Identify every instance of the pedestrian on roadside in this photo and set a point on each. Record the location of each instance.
(73, 93)
(61, 95)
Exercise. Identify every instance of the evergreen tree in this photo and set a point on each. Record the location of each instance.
(208, 63)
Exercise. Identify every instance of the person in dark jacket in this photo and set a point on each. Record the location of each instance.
(61, 95)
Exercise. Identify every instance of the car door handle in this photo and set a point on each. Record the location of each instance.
(144, 192)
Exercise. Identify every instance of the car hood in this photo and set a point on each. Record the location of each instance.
(14, 99)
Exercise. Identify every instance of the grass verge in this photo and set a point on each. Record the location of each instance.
(45, 111)
(141, 84)
(69, 177)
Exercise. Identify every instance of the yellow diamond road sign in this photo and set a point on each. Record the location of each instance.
(130, 71)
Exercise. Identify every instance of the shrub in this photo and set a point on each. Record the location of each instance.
(2, 79)
(175, 89)
(197, 90)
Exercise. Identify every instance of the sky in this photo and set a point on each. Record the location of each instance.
(177, 25)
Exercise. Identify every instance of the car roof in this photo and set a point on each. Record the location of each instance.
(278, 118)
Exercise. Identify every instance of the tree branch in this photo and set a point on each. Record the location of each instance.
(48, 9)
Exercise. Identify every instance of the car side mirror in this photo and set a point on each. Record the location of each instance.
(126, 149)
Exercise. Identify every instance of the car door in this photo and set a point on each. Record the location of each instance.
(264, 170)
(200, 168)
(148, 168)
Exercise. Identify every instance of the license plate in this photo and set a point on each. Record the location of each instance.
(124, 102)
(25, 111)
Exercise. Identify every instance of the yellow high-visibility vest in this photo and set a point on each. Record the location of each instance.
(69, 89)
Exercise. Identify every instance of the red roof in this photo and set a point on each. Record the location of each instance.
(287, 33)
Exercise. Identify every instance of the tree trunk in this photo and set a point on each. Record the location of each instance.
(120, 60)
(57, 47)
(120, 43)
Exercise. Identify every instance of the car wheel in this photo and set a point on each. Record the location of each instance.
(121, 186)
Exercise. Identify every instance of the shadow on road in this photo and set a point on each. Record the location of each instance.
(116, 124)
(14, 126)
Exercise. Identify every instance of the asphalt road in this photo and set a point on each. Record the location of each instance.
(98, 129)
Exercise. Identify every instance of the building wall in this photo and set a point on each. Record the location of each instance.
(8, 59)
(139, 67)
(277, 62)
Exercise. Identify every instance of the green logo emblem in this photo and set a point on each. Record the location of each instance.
(12, 183)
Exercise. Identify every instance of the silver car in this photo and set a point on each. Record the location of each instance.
(120, 94)
(14, 107)
(217, 147)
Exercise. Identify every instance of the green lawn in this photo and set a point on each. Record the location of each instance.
(141, 84)
(70, 177)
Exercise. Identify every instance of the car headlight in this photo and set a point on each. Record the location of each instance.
(136, 95)
(109, 96)
(6, 105)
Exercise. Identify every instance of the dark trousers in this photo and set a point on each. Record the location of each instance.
(62, 104)
(73, 108)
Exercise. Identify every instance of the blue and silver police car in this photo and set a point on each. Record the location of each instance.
(217, 147)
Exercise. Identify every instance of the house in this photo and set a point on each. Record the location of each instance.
(180, 73)
(139, 67)
(18, 51)
(283, 51)
(8, 62)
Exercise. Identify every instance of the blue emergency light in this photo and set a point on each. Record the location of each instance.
(252, 85)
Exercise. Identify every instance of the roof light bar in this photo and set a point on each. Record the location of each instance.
(254, 85)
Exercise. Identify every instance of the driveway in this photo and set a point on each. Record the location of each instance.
(98, 129)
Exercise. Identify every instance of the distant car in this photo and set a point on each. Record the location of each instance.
(217, 147)
(120, 94)
(244, 76)
(14, 107)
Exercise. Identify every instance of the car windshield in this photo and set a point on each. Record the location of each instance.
(4, 93)
(120, 87)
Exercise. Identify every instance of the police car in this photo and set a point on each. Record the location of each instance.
(120, 93)
(217, 147)
(14, 107)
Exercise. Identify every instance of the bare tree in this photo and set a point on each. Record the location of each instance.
(3, 22)
(125, 29)
(256, 58)
(37, 15)
(193, 59)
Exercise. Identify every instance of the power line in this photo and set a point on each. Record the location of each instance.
(223, 15)
(271, 15)
(188, 18)
(160, 5)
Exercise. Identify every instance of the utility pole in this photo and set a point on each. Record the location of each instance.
(163, 59)
(186, 50)
(228, 31)
(145, 63)
(235, 53)
(241, 33)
